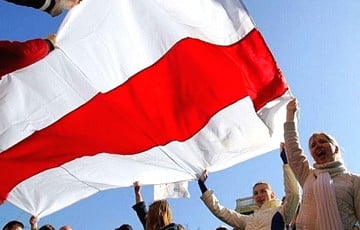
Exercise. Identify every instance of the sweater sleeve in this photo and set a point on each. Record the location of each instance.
(357, 198)
(295, 155)
(16, 55)
(37, 4)
(141, 211)
(226, 215)
(292, 194)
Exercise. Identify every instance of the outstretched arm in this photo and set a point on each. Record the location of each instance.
(33, 222)
(16, 55)
(292, 189)
(201, 181)
(295, 154)
(226, 215)
(291, 110)
(52, 7)
(138, 196)
(139, 207)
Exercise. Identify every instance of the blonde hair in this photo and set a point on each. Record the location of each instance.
(159, 215)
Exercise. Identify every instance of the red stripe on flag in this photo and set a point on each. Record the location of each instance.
(171, 100)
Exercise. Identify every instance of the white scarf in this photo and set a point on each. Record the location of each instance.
(325, 197)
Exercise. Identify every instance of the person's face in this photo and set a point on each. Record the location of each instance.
(321, 149)
(261, 194)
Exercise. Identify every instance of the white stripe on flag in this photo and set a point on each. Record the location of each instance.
(171, 190)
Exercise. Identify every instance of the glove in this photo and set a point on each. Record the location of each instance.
(283, 156)
(201, 181)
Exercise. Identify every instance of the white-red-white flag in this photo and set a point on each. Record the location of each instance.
(150, 90)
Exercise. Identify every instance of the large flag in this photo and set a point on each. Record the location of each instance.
(154, 91)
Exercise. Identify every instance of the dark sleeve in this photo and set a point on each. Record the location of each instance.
(37, 4)
(45, 5)
(202, 186)
(141, 211)
(283, 156)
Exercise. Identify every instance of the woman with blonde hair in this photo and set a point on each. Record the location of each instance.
(158, 217)
(331, 194)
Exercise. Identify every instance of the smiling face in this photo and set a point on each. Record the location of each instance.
(323, 148)
(262, 193)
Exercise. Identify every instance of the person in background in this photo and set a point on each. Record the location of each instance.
(15, 55)
(65, 227)
(124, 227)
(14, 225)
(331, 194)
(159, 215)
(47, 227)
(52, 7)
(34, 224)
(269, 214)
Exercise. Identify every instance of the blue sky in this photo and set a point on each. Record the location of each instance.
(315, 44)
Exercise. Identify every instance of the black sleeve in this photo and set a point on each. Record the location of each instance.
(202, 186)
(30, 3)
(141, 211)
(283, 156)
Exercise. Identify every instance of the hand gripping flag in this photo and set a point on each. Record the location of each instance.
(150, 90)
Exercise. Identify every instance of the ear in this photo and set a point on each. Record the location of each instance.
(272, 195)
(336, 149)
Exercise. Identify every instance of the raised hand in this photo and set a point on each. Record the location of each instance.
(291, 108)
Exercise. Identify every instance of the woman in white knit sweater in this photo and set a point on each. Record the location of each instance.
(331, 194)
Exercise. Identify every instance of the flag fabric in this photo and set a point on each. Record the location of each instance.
(150, 90)
(171, 190)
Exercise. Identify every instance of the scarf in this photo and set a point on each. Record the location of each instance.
(325, 197)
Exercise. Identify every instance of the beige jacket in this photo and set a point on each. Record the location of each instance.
(347, 186)
(261, 220)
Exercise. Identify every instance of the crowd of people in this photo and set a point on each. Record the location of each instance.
(322, 196)
(17, 225)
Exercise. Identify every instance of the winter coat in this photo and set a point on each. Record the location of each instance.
(347, 186)
(264, 218)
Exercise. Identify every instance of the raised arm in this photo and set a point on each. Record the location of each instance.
(138, 196)
(292, 189)
(16, 55)
(140, 206)
(33, 221)
(295, 154)
(226, 215)
(52, 7)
